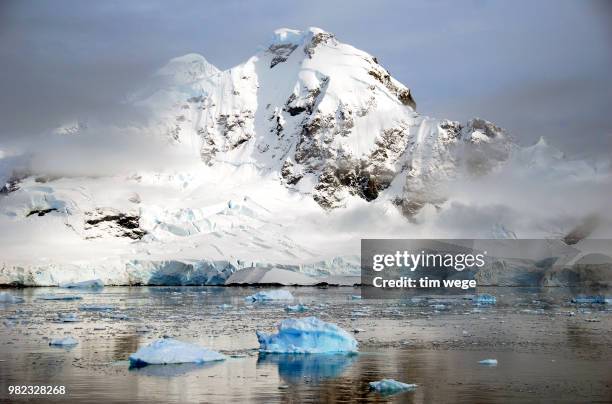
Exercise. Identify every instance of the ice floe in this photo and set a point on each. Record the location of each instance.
(268, 295)
(168, 351)
(484, 299)
(6, 297)
(59, 297)
(66, 341)
(68, 317)
(307, 335)
(298, 308)
(488, 362)
(90, 284)
(390, 386)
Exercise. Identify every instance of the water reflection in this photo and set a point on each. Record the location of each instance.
(172, 370)
(294, 369)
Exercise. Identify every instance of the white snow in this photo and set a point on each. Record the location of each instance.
(390, 386)
(168, 351)
(270, 295)
(64, 341)
(307, 335)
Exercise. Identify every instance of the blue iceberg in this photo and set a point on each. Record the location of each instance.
(307, 335)
(590, 300)
(390, 386)
(484, 299)
(269, 295)
(298, 308)
(168, 351)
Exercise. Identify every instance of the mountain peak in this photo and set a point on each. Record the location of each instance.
(296, 37)
(188, 69)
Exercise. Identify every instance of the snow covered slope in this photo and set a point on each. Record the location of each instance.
(285, 160)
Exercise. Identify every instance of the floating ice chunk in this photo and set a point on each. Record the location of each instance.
(268, 295)
(96, 307)
(6, 297)
(484, 299)
(390, 386)
(355, 297)
(66, 341)
(298, 308)
(488, 362)
(224, 306)
(59, 297)
(91, 284)
(166, 351)
(307, 335)
(68, 317)
(590, 299)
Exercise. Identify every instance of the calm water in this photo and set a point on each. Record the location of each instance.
(547, 348)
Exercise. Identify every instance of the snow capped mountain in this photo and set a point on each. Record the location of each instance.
(285, 160)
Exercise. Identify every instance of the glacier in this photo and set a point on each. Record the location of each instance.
(308, 335)
(168, 351)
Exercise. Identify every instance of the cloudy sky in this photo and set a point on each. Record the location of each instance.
(535, 67)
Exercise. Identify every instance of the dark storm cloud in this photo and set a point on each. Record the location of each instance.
(535, 67)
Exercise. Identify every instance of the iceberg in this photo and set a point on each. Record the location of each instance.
(307, 335)
(91, 284)
(168, 351)
(66, 341)
(488, 362)
(484, 299)
(59, 297)
(298, 308)
(96, 307)
(6, 297)
(68, 317)
(390, 386)
(268, 295)
(590, 300)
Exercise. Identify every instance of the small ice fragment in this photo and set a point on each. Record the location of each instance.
(91, 284)
(6, 297)
(390, 386)
(68, 317)
(358, 330)
(488, 362)
(589, 299)
(438, 306)
(355, 297)
(168, 350)
(298, 308)
(66, 341)
(96, 307)
(307, 335)
(224, 306)
(268, 295)
(484, 299)
(59, 297)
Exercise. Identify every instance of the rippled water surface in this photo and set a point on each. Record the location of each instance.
(548, 349)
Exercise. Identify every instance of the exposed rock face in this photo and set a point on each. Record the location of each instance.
(106, 221)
